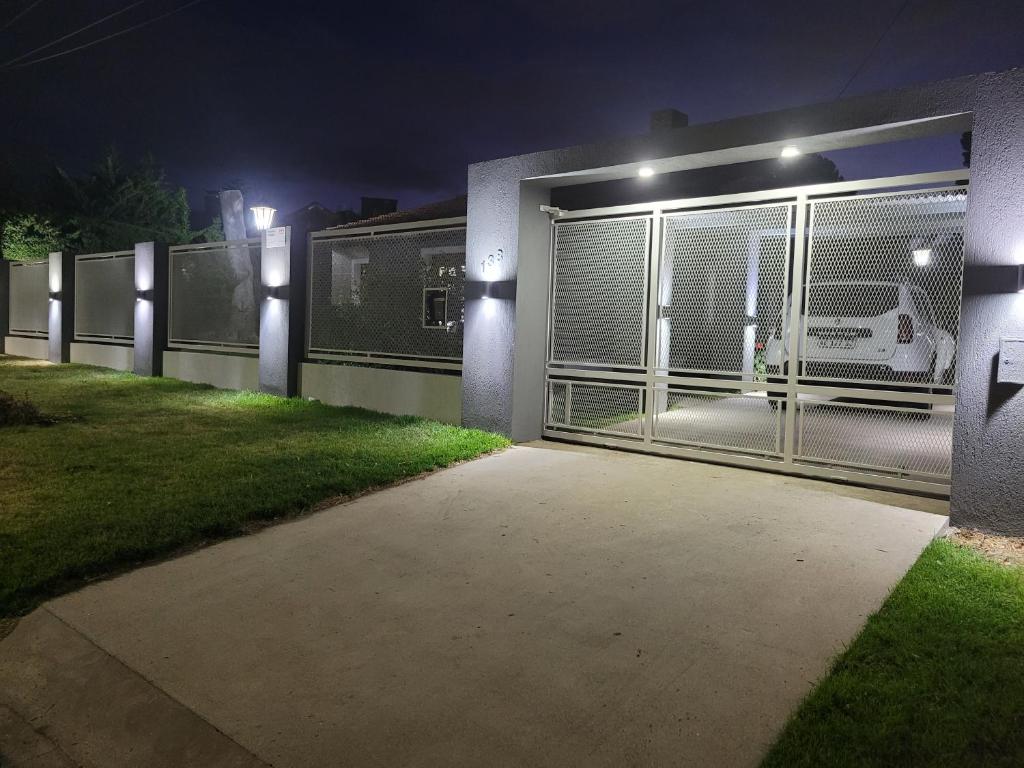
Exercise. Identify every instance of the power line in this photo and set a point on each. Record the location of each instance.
(112, 35)
(19, 15)
(72, 34)
(874, 48)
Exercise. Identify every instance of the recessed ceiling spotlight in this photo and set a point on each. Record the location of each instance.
(645, 171)
(790, 151)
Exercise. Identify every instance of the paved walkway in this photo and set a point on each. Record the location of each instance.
(547, 606)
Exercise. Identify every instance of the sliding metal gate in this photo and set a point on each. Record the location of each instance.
(810, 331)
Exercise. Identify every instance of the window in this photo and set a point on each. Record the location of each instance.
(359, 267)
(435, 307)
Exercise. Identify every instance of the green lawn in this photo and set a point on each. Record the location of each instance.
(134, 468)
(935, 679)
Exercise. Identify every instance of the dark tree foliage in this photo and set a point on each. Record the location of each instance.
(110, 208)
(965, 144)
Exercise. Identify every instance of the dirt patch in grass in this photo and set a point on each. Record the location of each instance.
(1008, 550)
(15, 412)
(7, 626)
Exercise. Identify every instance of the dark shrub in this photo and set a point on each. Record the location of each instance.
(15, 412)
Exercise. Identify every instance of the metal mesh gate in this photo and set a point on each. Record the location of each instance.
(812, 333)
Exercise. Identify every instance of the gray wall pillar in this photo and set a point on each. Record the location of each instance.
(61, 306)
(282, 310)
(988, 429)
(5, 301)
(151, 278)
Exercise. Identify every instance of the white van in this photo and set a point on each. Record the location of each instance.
(868, 331)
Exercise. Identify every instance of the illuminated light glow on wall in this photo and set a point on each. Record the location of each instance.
(790, 151)
(922, 256)
(645, 172)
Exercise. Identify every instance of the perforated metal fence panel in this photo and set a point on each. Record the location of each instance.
(614, 409)
(814, 333)
(724, 276)
(731, 421)
(393, 294)
(215, 294)
(30, 296)
(883, 287)
(599, 303)
(888, 438)
(105, 296)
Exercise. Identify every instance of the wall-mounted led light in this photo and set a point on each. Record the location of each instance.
(790, 151)
(645, 172)
(55, 295)
(263, 215)
(277, 291)
(144, 294)
(922, 256)
(1020, 279)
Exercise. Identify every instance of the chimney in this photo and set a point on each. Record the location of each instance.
(668, 119)
(376, 206)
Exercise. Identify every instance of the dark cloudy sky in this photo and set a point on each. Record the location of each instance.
(309, 100)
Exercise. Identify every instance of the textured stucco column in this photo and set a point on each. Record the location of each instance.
(282, 309)
(988, 428)
(151, 278)
(5, 301)
(61, 326)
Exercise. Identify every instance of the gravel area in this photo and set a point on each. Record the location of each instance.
(1008, 550)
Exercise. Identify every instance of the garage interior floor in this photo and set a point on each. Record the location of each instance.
(551, 605)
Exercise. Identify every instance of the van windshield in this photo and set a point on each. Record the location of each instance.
(854, 300)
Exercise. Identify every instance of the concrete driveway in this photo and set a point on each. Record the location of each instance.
(548, 606)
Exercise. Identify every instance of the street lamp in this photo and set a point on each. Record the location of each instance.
(264, 215)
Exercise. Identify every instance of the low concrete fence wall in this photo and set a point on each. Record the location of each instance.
(23, 346)
(116, 356)
(219, 370)
(431, 395)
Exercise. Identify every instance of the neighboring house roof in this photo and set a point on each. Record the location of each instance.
(445, 209)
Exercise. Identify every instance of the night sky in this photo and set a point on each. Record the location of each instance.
(328, 101)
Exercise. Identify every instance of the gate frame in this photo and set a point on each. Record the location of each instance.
(799, 199)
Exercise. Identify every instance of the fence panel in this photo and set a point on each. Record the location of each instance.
(30, 293)
(215, 294)
(105, 296)
(389, 294)
(883, 287)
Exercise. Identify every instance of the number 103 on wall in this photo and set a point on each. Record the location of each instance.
(492, 260)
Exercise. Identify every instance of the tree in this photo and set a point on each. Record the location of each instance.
(110, 208)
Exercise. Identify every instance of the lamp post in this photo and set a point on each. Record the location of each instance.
(263, 215)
